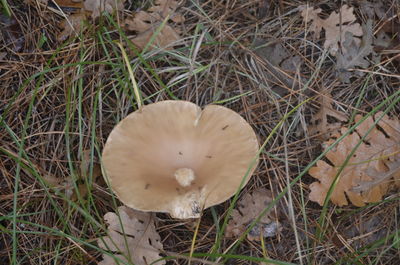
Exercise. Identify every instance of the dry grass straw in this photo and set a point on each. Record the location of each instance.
(62, 99)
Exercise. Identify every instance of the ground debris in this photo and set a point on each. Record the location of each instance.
(365, 230)
(355, 53)
(132, 235)
(371, 172)
(11, 33)
(281, 66)
(75, 187)
(336, 26)
(154, 22)
(319, 122)
(69, 3)
(71, 25)
(75, 22)
(248, 209)
(97, 7)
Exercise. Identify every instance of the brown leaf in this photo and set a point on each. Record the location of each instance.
(376, 161)
(355, 53)
(280, 66)
(72, 25)
(69, 3)
(135, 238)
(248, 209)
(99, 6)
(319, 121)
(388, 39)
(146, 23)
(336, 26)
(52, 180)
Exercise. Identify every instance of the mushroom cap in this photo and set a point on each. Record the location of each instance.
(148, 149)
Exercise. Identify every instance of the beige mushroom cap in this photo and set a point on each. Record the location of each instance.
(173, 157)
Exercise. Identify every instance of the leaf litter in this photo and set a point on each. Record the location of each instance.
(356, 53)
(336, 26)
(156, 20)
(249, 207)
(74, 23)
(89, 172)
(319, 121)
(280, 65)
(372, 171)
(132, 237)
(347, 40)
(96, 7)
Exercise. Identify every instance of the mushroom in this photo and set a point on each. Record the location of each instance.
(174, 157)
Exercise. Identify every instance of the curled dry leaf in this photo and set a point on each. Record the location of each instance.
(134, 239)
(336, 26)
(248, 209)
(145, 24)
(372, 170)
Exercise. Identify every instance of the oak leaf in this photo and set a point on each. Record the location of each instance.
(372, 170)
(132, 237)
(75, 22)
(152, 22)
(319, 121)
(355, 53)
(336, 26)
(248, 209)
(96, 7)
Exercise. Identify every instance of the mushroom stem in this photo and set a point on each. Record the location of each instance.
(184, 176)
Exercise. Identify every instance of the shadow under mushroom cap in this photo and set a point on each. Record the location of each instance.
(173, 157)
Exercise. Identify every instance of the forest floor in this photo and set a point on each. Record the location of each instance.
(318, 81)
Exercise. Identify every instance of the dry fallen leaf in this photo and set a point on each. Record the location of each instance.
(248, 209)
(134, 239)
(388, 40)
(69, 3)
(319, 121)
(75, 22)
(336, 26)
(280, 66)
(96, 7)
(372, 170)
(365, 229)
(378, 8)
(355, 53)
(72, 25)
(145, 24)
